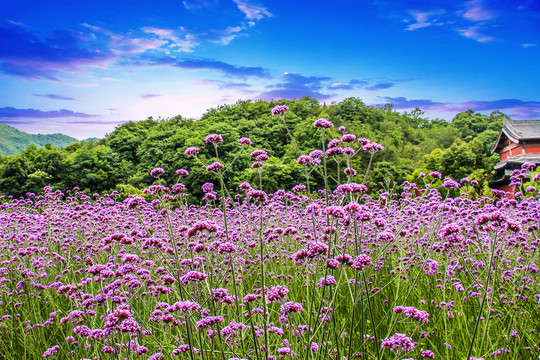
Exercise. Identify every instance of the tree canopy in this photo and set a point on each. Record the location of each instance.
(124, 157)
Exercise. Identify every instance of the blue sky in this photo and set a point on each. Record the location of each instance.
(81, 68)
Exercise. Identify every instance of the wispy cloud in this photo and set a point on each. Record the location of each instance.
(203, 64)
(150, 96)
(475, 10)
(146, 39)
(199, 4)
(11, 112)
(340, 86)
(379, 86)
(425, 18)
(98, 122)
(517, 108)
(296, 86)
(252, 11)
(468, 19)
(224, 36)
(473, 32)
(404, 103)
(496, 104)
(25, 54)
(351, 85)
(359, 83)
(227, 85)
(54, 97)
(28, 54)
(175, 40)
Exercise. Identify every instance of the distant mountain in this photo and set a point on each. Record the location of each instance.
(95, 139)
(12, 140)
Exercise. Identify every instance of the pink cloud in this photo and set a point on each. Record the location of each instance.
(476, 11)
(472, 32)
(252, 11)
(425, 18)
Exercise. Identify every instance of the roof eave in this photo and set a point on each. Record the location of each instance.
(496, 143)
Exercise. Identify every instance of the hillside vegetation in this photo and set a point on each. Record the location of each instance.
(13, 141)
(122, 160)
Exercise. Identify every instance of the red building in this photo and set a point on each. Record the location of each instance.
(518, 143)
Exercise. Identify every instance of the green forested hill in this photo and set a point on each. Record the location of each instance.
(412, 144)
(13, 141)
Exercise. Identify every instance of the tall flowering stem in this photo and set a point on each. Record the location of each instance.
(280, 110)
(261, 197)
(372, 147)
(488, 279)
(324, 124)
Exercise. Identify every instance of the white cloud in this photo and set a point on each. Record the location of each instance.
(176, 40)
(425, 18)
(476, 11)
(472, 32)
(164, 33)
(252, 11)
(199, 4)
(227, 35)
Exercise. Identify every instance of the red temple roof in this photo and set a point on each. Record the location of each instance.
(518, 131)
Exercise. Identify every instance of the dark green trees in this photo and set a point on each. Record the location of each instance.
(126, 156)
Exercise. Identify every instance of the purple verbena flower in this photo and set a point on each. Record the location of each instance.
(398, 343)
(51, 351)
(244, 141)
(156, 172)
(207, 187)
(323, 123)
(258, 195)
(304, 160)
(279, 109)
(348, 138)
(213, 138)
(299, 188)
(215, 166)
(191, 151)
(373, 147)
(192, 276)
(413, 313)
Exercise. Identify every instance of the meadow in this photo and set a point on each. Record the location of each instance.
(330, 273)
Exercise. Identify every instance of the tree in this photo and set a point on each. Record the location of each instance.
(13, 174)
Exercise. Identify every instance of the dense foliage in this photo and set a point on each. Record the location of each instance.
(13, 141)
(121, 160)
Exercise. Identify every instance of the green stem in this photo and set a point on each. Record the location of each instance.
(224, 206)
(369, 166)
(371, 316)
(265, 321)
(483, 302)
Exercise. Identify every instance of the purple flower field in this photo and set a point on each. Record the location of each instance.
(337, 274)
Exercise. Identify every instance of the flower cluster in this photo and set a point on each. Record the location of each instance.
(398, 343)
(191, 151)
(156, 172)
(279, 109)
(214, 139)
(373, 147)
(323, 123)
(215, 166)
(413, 313)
